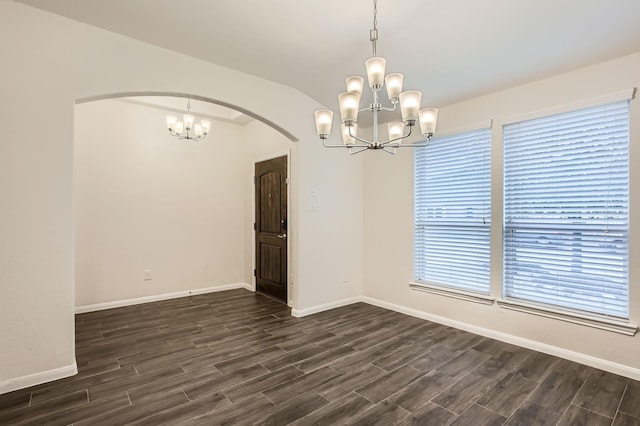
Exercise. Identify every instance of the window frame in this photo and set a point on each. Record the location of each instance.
(481, 130)
(605, 320)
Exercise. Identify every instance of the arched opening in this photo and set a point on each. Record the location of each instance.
(157, 217)
(195, 97)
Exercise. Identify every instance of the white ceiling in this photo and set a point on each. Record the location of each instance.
(449, 49)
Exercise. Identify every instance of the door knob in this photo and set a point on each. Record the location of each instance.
(282, 236)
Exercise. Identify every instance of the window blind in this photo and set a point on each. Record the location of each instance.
(566, 215)
(453, 211)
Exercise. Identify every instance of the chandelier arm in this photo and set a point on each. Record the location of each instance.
(397, 139)
(420, 144)
(352, 152)
(388, 150)
(390, 109)
(368, 144)
(359, 139)
(343, 145)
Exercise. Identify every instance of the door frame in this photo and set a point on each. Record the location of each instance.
(271, 156)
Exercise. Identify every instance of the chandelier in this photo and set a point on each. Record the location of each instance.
(181, 129)
(350, 107)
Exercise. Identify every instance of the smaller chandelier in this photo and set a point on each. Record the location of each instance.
(350, 107)
(181, 129)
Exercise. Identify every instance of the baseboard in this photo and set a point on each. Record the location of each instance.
(37, 378)
(320, 308)
(578, 357)
(159, 297)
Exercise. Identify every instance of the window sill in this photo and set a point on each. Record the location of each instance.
(451, 292)
(621, 326)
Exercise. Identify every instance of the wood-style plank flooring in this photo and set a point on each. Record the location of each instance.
(237, 357)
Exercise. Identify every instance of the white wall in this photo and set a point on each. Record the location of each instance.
(331, 198)
(49, 62)
(388, 194)
(147, 201)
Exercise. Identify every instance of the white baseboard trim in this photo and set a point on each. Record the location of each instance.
(159, 297)
(602, 364)
(37, 378)
(321, 308)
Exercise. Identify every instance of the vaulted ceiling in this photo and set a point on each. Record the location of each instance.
(449, 49)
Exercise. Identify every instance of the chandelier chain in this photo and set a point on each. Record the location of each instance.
(375, 14)
(373, 36)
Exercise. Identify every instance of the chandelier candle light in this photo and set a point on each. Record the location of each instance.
(350, 103)
(181, 129)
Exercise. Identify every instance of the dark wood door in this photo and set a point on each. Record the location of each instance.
(271, 227)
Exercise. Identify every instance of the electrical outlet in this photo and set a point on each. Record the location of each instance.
(147, 274)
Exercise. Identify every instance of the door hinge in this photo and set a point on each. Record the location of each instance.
(286, 181)
(254, 226)
(254, 272)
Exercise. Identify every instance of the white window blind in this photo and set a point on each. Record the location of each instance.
(453, 211)
(566, 190)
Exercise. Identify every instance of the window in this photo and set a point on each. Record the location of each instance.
(453, 211)
(566, 180)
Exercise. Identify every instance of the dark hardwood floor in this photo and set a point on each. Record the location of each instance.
(237, 357)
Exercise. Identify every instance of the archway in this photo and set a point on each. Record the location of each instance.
(196, 97)
(145, 225)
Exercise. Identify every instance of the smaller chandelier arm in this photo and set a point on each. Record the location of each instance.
(378, 107)
(186, 136)
(390, 109)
